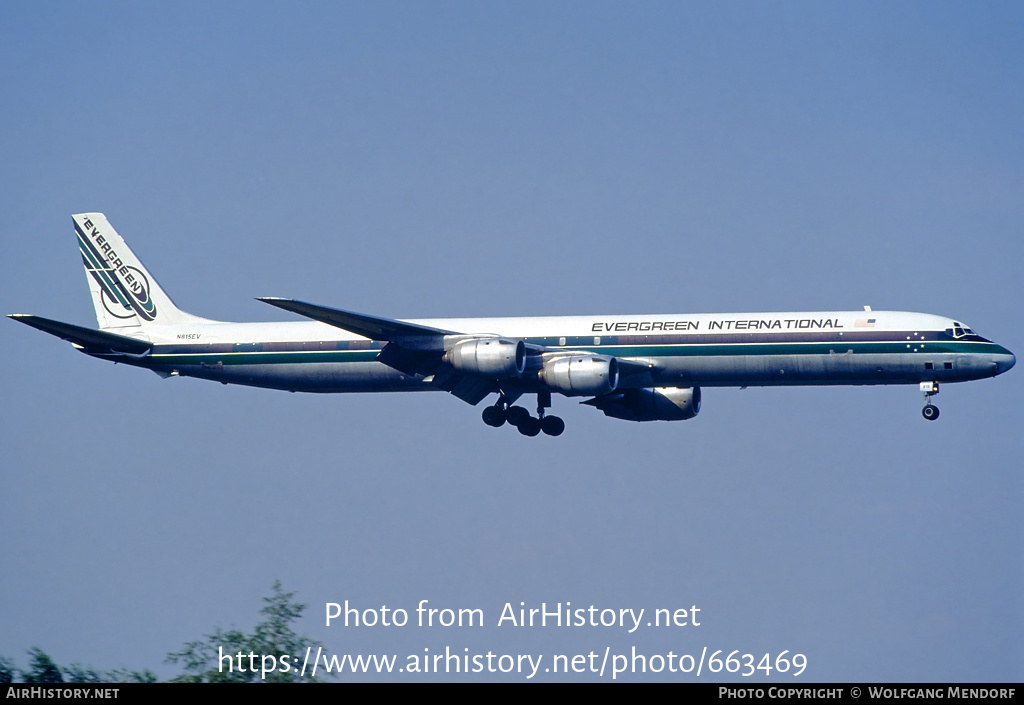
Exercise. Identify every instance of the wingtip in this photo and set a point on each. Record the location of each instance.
(279, 302)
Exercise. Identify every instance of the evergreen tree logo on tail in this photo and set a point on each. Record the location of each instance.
(125, 289)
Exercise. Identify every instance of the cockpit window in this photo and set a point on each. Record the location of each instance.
(959, 330)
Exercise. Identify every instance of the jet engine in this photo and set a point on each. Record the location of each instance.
(490, 357)
(581, 375)
(658, 404)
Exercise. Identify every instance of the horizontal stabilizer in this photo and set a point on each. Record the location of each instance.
(88, 338)
(370, 327)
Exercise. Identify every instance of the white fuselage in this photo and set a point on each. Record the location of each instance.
(678, 350)
(639, 368)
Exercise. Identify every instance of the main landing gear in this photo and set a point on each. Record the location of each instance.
(519, 417)
(930, 411)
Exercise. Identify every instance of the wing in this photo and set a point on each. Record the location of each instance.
(372, 327)
(421, 350)
(412, 348)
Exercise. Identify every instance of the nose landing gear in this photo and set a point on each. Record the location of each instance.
(519, 417)
(930, 411)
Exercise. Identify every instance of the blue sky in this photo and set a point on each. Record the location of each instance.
(501, 159)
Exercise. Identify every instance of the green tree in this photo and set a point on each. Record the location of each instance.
(77, 673)
(7, 670)
(215, 657)
(203, 661)
(42, 669)
(120, 675)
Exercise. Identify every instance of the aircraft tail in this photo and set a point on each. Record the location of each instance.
(124, 293)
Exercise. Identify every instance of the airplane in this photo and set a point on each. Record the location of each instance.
(636, 368)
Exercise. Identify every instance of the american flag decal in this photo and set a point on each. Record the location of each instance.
(865, 323)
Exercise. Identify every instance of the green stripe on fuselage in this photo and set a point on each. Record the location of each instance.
(791, 348)
(265, 358)
(180, 357)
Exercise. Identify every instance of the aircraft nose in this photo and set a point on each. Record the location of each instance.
(1005, 362)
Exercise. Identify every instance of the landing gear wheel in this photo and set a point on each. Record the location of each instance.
(494, 416)
(552, 425)
(930, 412)
(517, 415)
(529, 426)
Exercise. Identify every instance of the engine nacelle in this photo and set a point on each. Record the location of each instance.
(490, 357)
(581, 375)
(658, 404)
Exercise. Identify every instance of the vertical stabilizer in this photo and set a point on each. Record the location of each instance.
(124, 294)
